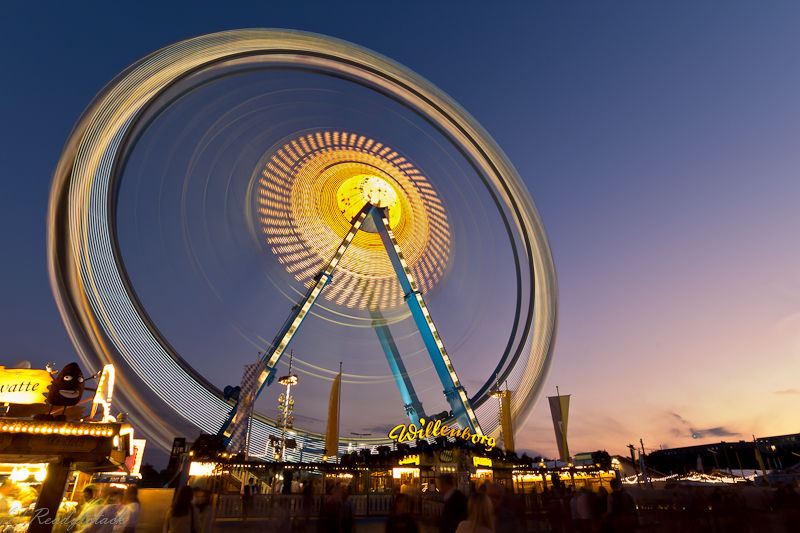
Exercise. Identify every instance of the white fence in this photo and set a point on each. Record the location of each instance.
(267, 505)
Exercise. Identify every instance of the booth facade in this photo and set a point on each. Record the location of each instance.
(39, 459)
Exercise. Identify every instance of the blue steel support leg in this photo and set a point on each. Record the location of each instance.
(453, 390)
(412, 404)
(292, 324)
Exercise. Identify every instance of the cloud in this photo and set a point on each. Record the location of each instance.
(686, 427)
(787, 391)
(381, 431)
(713, 432)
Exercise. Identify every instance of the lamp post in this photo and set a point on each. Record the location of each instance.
(288, 406)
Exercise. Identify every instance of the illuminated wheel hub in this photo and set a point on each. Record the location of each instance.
(319, 182)
(376, 191)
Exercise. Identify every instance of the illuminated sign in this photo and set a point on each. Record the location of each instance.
(481, 461)
(23, 385)
(410, 432)
(134, 461)
(202, 469)
(107, 477)
(410, 460)
(105, 390)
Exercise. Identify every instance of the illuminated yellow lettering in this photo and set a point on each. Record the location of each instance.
(466, 434)
(436, 428)
(445, 429)
(393, 433)
(490, 443)
(476, 439)
(454, 433)
(412, 432)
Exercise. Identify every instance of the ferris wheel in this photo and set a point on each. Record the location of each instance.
(356, 204)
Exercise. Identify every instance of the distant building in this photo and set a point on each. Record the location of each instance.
(777, 453)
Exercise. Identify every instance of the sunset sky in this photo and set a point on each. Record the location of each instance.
(660, 143)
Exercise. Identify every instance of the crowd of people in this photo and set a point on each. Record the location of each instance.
(687, 508)
(489, 509)
(118, 512)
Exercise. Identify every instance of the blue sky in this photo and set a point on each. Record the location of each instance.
(658, 141)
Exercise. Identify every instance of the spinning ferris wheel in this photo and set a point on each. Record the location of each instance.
(352, 196)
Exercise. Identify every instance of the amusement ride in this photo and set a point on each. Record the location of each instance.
(363, 193)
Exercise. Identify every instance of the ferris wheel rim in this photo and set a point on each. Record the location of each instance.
(63, 282)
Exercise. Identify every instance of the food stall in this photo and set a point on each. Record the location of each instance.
(40, 456)
(40, 449)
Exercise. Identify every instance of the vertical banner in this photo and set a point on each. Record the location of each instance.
(559, 408)
(505, 421)
(244, 408)
(332, 432)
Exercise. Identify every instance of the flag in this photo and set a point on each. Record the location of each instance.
(244, 408)
(332, 432)
(760, 460)
(559, 408)
(505, 420)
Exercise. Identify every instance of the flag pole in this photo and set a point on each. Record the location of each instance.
(338, 411)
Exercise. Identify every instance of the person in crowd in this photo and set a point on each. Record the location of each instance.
(621, 509)
(182, 515)
(296, 486)
(104, 520)
(87, 499)
(455, 505)
(202, 500)
(329, 520)
(480, 515)
(505, 521)
(89, 507)
(601, 506)
(586, 511)
(575, 518)
(347, 512)
(553, 510)
(129, 512)
(756, 504)
(401, 521)
(564, 499)
(308, 501)
(786, 502)
(248, 491)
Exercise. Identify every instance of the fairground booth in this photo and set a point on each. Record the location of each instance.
(49, 450)
(373, 477)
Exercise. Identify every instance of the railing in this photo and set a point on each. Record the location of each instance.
(378, 504)
(265, 505)
(432, 508)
